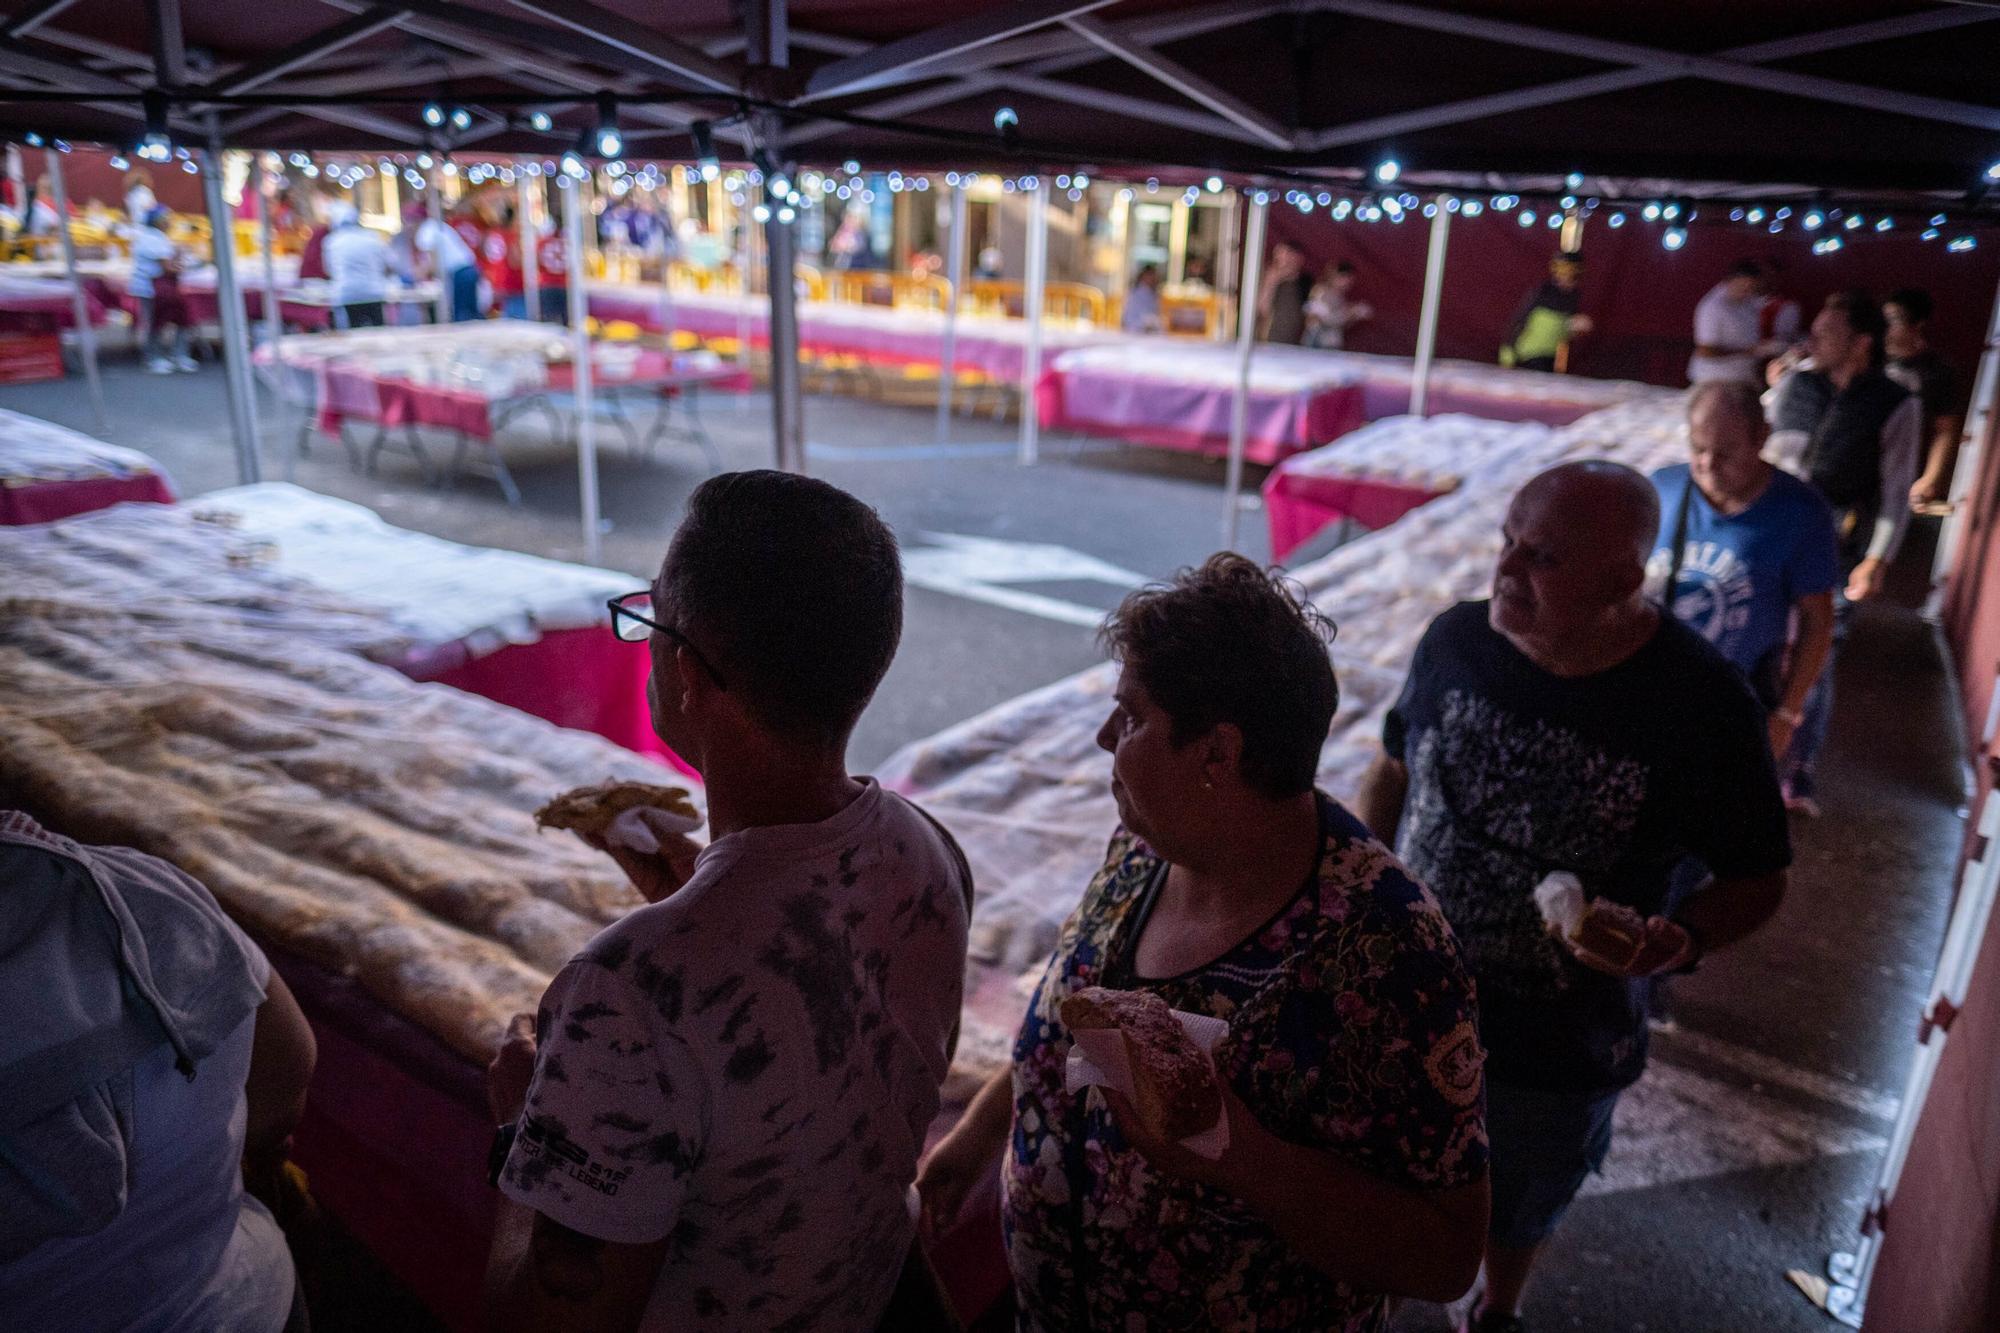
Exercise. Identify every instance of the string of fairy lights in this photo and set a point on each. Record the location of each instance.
(768, 190)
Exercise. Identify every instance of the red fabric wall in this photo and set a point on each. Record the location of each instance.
(1640, 295)
(1940, 1264)
(89, 175)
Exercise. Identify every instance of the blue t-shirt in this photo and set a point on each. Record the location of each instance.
(1742, 573)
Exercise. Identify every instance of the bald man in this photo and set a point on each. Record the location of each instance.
(1567, 725)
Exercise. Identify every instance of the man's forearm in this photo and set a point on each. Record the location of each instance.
(1901, 440)
(989, 1116)
(1810, 653)
(1379, 803)
(1726, 910)
(1944, 449)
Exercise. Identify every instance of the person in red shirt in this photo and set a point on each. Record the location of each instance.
(500, 264)
(552, 261)
(312, 259)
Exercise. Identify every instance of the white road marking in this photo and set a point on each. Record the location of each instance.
(979, 568)
(1769, 1069)
(1676, 1125)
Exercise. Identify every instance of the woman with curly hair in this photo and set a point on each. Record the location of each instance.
(1355, 1167)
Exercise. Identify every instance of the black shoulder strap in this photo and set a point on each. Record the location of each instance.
(1679, 549)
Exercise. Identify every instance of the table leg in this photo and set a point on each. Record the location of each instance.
(458, 453)
(615, 401)
(374, 446)
(691, 397)
(504, 477)
(416, 444)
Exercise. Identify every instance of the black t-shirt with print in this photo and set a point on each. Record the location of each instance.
(1615, 777)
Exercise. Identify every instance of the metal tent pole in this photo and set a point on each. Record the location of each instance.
(531, 269)
(229, 303)
(1246, 340)
(745, 239)
(1222, 282)
(768, 30)
(1034, 298)
(779, 269)
(441, 311)
(579, 342)
(948, 353)
(1427, 321)
(667, 243)
(273, 319)
(79, 305)
(18, 176)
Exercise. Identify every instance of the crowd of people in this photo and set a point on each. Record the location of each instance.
(718, 1117)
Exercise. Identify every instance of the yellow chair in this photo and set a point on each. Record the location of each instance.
(1074, 301)
(994, 296)
(1190, 316)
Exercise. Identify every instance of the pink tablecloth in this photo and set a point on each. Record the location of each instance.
(346, 392)
(23, 312)
(394, 1140)
(581, 678)
(994, 348)
(47, 501)
(1193, 416)
(1299, 506)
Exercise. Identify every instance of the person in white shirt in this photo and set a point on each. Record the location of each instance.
(164, 1065)
(452, 262)
(1142, 304)
(358, 261)
(714, 1121)
(139, 200)
(1728, 335)
(155, 286)
(42, 216)
(1331, 309)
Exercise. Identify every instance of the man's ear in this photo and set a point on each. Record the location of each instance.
(691, 683)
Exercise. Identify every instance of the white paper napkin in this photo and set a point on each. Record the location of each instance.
(641, 828)
(1099, 1056)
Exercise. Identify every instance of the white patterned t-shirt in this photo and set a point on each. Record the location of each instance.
(747, 1070)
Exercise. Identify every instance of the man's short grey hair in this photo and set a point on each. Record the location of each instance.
(1618, 500)
(1740, 400)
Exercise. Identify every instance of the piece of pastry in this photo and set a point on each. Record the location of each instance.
(591, 809)
(1174, 1085)
(1597, 926)
(1611, 931)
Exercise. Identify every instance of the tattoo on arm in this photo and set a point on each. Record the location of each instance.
(567, 1264)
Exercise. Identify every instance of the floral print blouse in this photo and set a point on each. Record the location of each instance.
(1352, 1030)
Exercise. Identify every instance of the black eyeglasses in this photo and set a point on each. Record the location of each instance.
(632, 620)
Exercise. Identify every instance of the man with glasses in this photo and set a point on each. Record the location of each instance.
(715, 1119)
(1568, 725)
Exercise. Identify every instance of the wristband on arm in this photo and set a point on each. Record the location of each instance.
(496, 1156)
